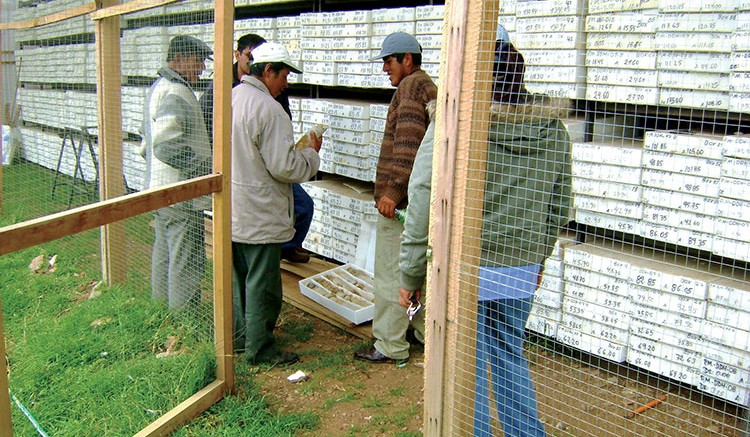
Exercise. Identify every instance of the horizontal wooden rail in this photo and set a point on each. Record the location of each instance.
(128, 8)
(37, 231)
(51, 18)
(186, 411)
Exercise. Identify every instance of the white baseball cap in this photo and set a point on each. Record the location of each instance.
(273, 52)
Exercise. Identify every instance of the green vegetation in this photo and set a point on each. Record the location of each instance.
(86, 365)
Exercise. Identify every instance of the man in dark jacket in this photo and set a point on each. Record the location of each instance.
(526, 203)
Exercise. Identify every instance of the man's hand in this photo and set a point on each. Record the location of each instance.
(404, 296)
(387, 207)
(315, 142)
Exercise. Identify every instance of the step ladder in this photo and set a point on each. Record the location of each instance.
(77, 139)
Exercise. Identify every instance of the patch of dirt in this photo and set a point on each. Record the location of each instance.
(351, 397)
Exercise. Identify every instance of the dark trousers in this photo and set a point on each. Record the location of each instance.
(303, 214)
(257, 297)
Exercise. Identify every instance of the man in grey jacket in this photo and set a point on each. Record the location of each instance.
(176, 147)
(265, 164)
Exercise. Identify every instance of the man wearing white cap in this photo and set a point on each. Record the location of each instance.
(405, 127)
(176, 147)
(264, 166)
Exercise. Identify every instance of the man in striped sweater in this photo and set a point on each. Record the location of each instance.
(405, 127)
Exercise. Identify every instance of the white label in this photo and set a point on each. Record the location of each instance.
(595, 280)
(694, 42)
(644, 22)
(610, 190)
(732, 229)
(560, 40)
(620, 76)
(668, 301)
(330, 30)
(730, 293)
(642, 42)
(735, 188)
(680, 201)
(623, 94)
(392, 14)
(678, 219)
(599, 6)
(563, 23)
(692, 22)
(621, 59)
(595, 329)
(690, 61)
(548, 8)
(698, 145)
(728, 316)
(629, 155)
(608, 221)
(597, 313)
(697, 5)
(688, 165)
(694, 80)
(739, 102)
(717, 100)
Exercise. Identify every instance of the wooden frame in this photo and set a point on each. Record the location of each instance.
(463, 102)
(114, 207)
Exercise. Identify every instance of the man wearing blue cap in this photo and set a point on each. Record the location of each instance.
(405, 127)
(176, 147)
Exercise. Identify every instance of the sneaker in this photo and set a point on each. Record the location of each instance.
(295, 255)
(280, 358)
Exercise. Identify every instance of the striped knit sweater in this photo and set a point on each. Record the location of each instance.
(406, 125)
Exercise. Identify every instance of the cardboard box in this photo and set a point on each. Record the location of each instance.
(542, 325)
(694, 80)
(680, 201)
(668, 301)
(729, 248)
(346, 290)
(734, 188)
(561, 90)
(732, 208)
(554, 57)
(552, 8)
(697, 5)
(737, 146)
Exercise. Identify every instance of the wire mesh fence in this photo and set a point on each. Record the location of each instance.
(601, 278)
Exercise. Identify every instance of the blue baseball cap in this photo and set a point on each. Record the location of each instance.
(398, 42)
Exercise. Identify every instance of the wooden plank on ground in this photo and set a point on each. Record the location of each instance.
(292, 273)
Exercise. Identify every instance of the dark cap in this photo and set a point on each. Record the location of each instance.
(187, 45)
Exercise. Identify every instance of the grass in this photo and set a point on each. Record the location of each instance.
(89, 366)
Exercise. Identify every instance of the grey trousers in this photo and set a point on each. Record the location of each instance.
(390, 320)
(178, 259)
(257, 297)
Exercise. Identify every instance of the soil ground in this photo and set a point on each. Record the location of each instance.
(578, 395)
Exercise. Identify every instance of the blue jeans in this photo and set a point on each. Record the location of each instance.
(303, 215)
(500, 336)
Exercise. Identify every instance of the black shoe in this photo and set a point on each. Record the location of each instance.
(295, 255)
(280, 358)
(411, 337)
(373, 355)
